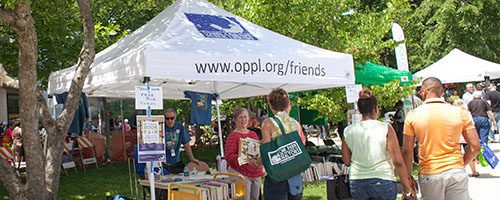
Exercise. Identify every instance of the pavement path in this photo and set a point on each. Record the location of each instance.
(486, 186)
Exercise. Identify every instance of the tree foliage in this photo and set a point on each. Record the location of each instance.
(361, 28)
(390, 93)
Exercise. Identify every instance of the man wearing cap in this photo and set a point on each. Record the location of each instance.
(493, 98)
(481, 110)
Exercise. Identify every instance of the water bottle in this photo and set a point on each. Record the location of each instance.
(223, 165)
(186, 171)
(218, 162)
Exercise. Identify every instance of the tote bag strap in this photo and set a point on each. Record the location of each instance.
(277, 120)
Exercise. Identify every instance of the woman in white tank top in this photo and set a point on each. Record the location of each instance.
(372, 151)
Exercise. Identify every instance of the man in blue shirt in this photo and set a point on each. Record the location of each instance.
(175, 135)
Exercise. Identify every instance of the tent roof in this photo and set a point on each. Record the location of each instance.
(375, 74)
(458, 67)
(194, 45)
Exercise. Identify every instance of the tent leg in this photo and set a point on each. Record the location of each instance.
(135, 179)
(221, 144)
(130, 178)
(123, 131)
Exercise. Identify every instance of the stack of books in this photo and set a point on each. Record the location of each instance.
(214, 190)
(318, 171)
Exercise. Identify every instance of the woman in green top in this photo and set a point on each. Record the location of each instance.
(372, 151)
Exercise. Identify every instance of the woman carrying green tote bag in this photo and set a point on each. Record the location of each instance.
(273, 130)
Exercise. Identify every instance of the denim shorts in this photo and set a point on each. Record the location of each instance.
(373, 188)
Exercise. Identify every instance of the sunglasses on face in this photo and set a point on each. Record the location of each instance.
(169, 118)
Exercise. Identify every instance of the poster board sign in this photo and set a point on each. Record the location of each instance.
(353, 117)
(150, 138)
(352, 92)
(152, 97)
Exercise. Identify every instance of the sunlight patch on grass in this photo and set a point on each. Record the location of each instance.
(78, 197)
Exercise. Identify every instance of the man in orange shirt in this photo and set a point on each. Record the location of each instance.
(438, 126)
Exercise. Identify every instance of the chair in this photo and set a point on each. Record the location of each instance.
(312, 148)
(331, 147)
(334, 153)
(7, 154)
(68, 150)
(84, 143)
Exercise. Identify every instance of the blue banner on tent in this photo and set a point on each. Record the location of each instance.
(224, 27)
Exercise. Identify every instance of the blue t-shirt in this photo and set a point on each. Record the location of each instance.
(176, 135)
(201, 107)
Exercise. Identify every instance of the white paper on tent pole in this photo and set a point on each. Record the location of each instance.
(458, 67)
(352, 92)
(152, 98)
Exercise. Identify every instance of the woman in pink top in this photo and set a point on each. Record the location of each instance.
(251, 168)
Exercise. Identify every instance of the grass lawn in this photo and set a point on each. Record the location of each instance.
(113, 179)
(92, 184)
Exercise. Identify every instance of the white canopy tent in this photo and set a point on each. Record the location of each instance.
(459, 67)
(196, 46)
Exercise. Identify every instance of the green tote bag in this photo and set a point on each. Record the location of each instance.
(284, 157)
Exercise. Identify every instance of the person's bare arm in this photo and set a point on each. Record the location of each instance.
(397, 160)
(408, 145)
(473, 145)
(189, 152)
(492, 117)
(267, 128)
(346, 153)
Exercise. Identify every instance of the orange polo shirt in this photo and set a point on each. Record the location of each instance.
(437, 126)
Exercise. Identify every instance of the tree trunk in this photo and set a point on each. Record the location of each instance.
(43, 171)
(28, 48)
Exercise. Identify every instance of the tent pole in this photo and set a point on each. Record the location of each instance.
(106, 129)
(150, 164)
(123, 130)
(221, 144)
(124, 148)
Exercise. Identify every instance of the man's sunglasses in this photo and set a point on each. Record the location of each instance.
(169, 118)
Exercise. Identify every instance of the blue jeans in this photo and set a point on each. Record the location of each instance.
(483, 127)
(373, 188)
(491, 134)
(278, 191)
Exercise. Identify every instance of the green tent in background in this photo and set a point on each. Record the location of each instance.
(309, 117)
(368, 74)
(375, 74)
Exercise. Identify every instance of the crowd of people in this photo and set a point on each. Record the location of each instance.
(12, 137)
(376, 152)
(439, 127)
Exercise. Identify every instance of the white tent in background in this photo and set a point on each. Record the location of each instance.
(196, 46)
(458, 67)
